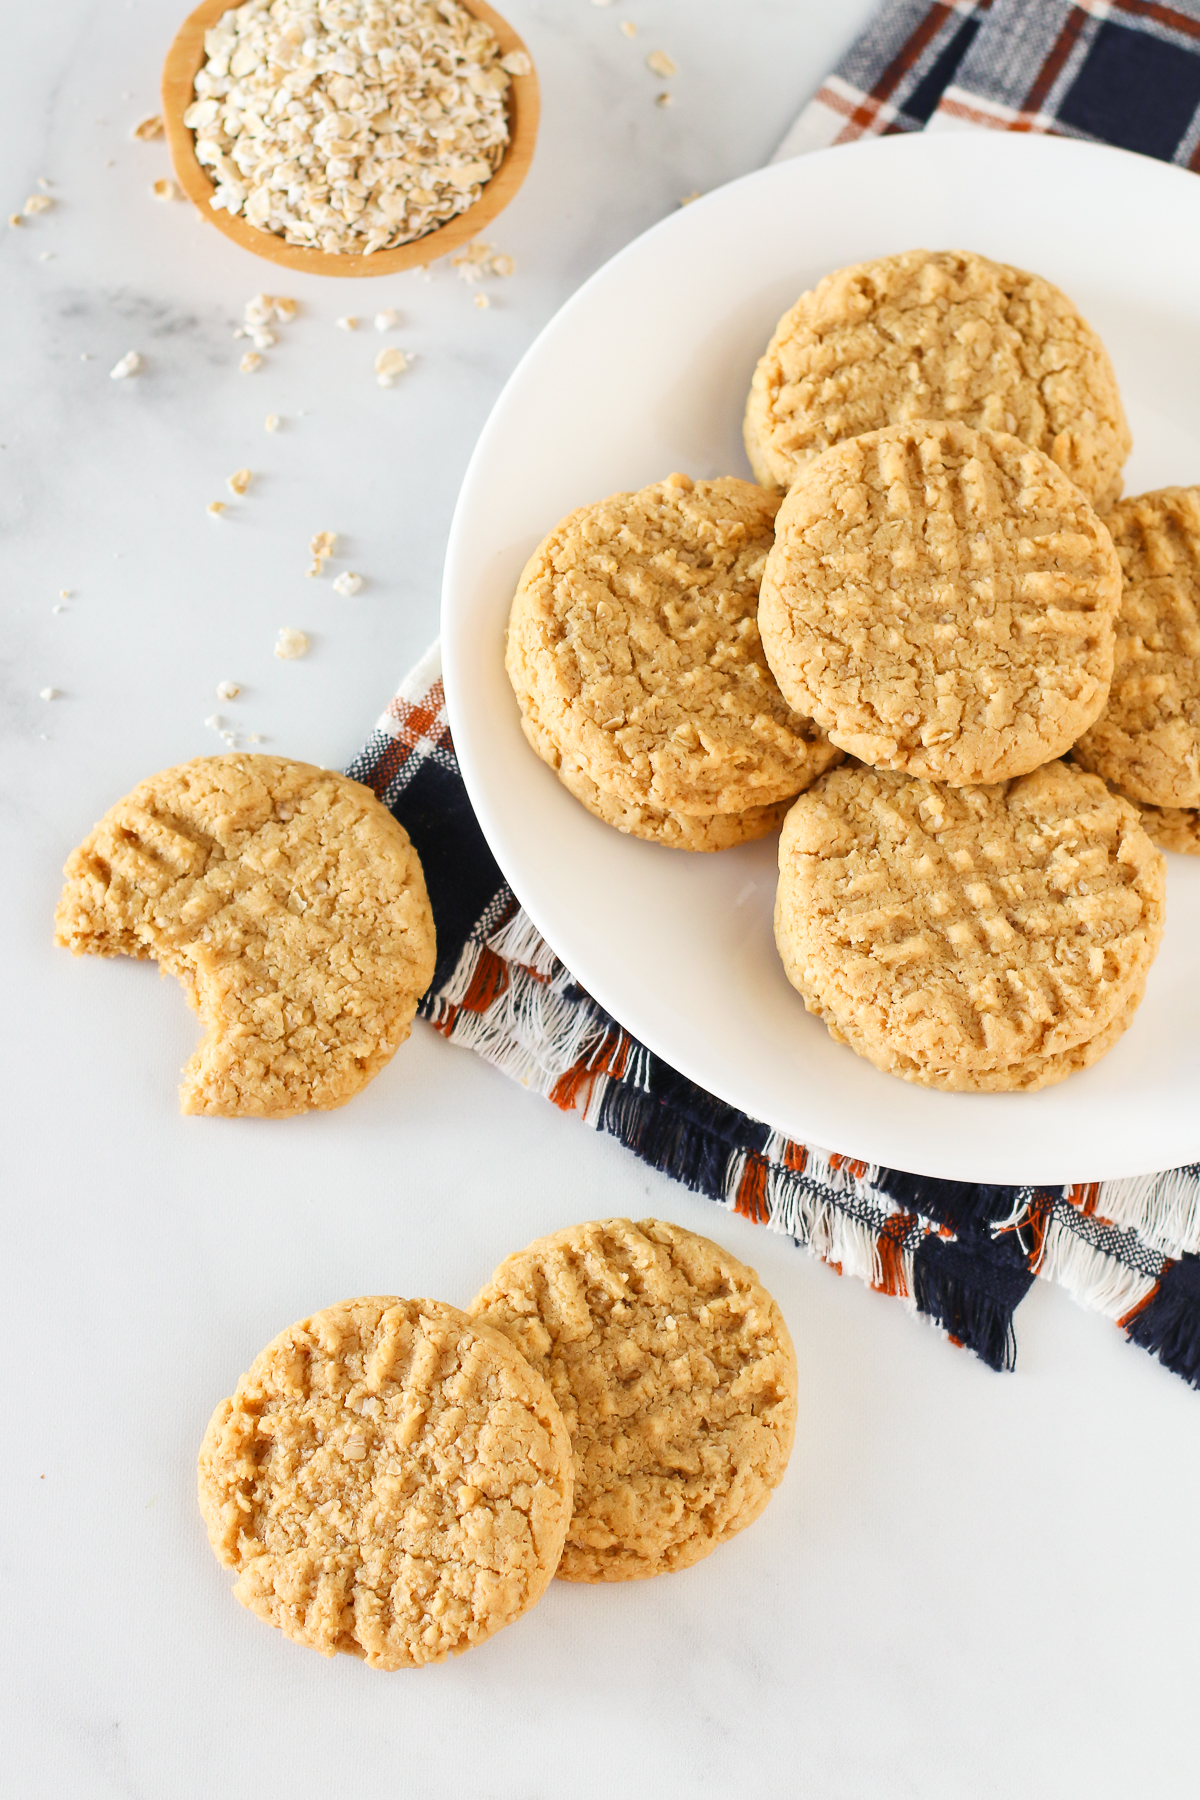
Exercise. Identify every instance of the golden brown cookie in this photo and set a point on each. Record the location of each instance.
(969, 937)
(390, 1479)
(290, 904)
(941, 334)
(634, 632)
(678, 831)
(1174, 827)
(941, 600)
(1147, 739)
(677, 1380)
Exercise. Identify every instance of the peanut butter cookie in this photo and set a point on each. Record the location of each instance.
(1147, 739)
(941, 334)
(634, 632)
(679, 831)
(969, 937)
(290, 904)
(675, 1374)
(390, 1479)
(941, 600)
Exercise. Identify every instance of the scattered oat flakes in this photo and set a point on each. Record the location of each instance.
(44, 181)
(215, 508)
(45, 255)
(387, 320)
(130, 364)
(147, 129)
(59, 607)
(517, 63)
(37, 203)
(347, 583)
(259, 310)
(290, 643)
(323, 543)
(659, 63)
(353, 126)
(239, 481)
(49, 693)
(664, 99)
(272, 422)
(14, 219)
(389, 366)
(481, 300)
(503, 265)
(251, 361)
(64, 593)
(628, 27)
(349, 323)
(285, 308)
(166, 190)
(228, 690)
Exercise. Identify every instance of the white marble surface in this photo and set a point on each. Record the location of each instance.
(968, 1584)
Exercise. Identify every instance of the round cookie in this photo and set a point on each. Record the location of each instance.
(390, 1479)
(1147, 739)
(677, 1380)
(634, 631)
(678, 831)
(952, 934)
(941, 334)
(941, 600)
(290, 904)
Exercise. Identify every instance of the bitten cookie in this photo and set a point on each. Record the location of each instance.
(941, 600)
(969, 938)
(390, 1479)
(634, 634)
(677, 1380)
(1147, 739)
(290, 904)
(678, 831)
(941, 334)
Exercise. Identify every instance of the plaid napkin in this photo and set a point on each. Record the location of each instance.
(961, 1254)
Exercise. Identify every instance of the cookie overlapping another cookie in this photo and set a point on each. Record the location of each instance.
(634, 653)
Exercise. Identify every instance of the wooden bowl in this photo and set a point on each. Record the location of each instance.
(186, 57)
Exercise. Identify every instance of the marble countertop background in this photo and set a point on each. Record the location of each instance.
(968, 1584)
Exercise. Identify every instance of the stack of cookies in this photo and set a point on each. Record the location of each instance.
(938, 440)
(397, 1479)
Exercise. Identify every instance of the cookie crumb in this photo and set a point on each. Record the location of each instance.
(272, 422)
(37, 203)
(215, 508)
(387, 320)
(389, 366)
(323, 543)
(130, 364)
(291, 643)
(149, 128)
(239, 481)
(228, 690)
(659, 63)
(165, 190)
(250, 362)
(347, 583)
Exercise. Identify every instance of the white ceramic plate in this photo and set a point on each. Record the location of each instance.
(645, 370)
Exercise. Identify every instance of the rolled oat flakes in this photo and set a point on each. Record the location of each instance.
(349, 125)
